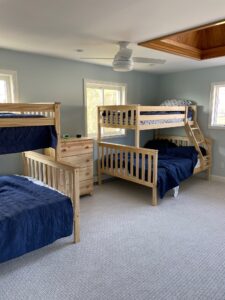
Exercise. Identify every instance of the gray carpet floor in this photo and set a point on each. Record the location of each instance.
(131, 250)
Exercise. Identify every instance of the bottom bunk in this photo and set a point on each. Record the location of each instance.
(162, 167)
(33, 213)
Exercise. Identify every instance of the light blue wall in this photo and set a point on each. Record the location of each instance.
(43, 78)
(196, 85)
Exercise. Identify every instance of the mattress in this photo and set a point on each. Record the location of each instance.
(31, 216)
(19, 139)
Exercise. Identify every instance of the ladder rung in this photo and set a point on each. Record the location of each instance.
(194, 128)
(201, 142)
(206, 157)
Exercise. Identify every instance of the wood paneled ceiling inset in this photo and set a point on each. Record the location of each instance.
(199, 43)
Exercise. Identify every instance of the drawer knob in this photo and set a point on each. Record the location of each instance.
(87, 147)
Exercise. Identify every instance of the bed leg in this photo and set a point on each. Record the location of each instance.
(208, 173)
(99, 178)
(154, 196)
(76, 207)
(76, 233)
(99, 165)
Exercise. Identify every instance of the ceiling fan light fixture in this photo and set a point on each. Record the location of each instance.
(123, 65)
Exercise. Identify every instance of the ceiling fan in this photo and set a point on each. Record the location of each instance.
(123, 60)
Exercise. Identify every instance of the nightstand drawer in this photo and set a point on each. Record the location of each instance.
(86, 173)
(70, 148)
(86, 187)
(82, 160)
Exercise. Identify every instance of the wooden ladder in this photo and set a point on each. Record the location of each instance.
(196, 136)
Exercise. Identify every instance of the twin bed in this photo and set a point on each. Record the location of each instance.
(160, 167)
(35, 209)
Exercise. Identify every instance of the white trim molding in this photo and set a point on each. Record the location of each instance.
(217, 178)
(11, 77)
(213, 105)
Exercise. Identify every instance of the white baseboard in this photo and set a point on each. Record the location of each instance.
(217, 178)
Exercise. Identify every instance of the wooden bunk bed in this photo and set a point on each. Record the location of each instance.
(39, 167)
(31, 115)
(139, 118)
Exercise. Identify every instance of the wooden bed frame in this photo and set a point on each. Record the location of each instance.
(124, 118)
(42, 167)
(50, 111)
(131, 117)
(47, 170)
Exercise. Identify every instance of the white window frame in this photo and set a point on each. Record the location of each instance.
(212, 105)
(105, 84)
(11, 79)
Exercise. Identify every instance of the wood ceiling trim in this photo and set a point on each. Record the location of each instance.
(175, 48)
(204, 42)
(213, 53)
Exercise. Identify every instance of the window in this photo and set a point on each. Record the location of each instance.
(102, 93)
(217, 118)
(8, 86)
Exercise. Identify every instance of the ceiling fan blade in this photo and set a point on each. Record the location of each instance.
(147, 60)
(97, 58)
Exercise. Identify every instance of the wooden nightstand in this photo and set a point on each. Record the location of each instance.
(79, 153)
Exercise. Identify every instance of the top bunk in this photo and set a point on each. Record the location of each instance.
(138, 117)
(29, 126)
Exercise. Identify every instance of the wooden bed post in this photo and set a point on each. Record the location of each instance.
(208, 171)
(25, 165)
(76, 206)
(137, 131)
(137, 138)
(99, 140)
(57, 127)
(154, 201)
(186, 114)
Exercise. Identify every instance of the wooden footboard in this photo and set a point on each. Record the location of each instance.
(120, 161)
(50, 172)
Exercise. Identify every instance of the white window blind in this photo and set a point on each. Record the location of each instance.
(102, 93)
(217, 117)
(8, 86)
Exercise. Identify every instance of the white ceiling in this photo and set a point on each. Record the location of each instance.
(59, 27)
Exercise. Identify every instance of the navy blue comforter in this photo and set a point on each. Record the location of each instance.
(31, 216)
(174, 167)
(19, 139)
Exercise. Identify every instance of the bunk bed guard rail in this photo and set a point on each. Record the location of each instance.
(143, 117)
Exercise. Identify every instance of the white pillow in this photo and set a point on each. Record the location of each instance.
(177, 102)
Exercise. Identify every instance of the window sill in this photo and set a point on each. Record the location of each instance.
(109, 137)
